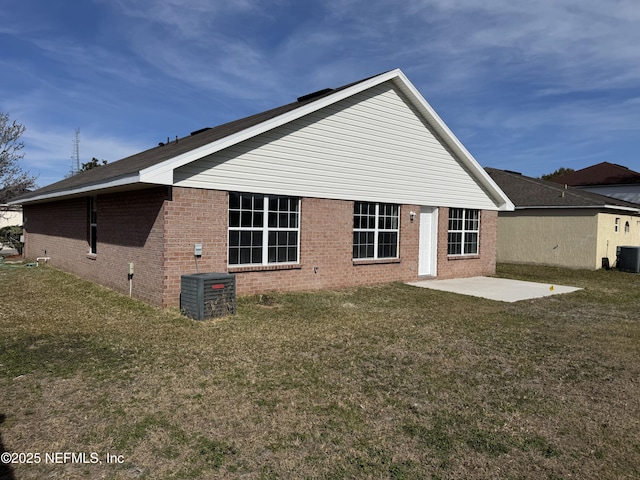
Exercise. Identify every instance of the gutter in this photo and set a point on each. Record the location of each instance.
(605, 206)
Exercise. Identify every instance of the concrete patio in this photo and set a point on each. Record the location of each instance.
(500, 289)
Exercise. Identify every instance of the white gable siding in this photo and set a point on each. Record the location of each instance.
(371, 146)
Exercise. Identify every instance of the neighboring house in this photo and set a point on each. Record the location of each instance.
(10, 215)
(357, 185)
(606, 179)
(554, 225)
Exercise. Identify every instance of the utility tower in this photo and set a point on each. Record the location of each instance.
(75, 156)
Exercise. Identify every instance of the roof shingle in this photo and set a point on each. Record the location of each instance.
(604, 173)
(532, 192)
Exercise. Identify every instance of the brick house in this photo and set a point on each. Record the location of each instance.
(356, 185)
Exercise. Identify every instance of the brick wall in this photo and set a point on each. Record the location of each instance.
(193, 216)
(326, 250)
(157, 228)
(326, 236)
(57, 230)
(478, 265)
(129, 229)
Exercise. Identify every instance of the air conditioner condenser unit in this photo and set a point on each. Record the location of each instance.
(207, 295)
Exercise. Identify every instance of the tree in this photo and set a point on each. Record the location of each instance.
(13, 181)
(94, 163)
(557, 173)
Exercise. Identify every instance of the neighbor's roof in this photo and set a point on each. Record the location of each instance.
(156, 166)
(604, 173)
(527, 192)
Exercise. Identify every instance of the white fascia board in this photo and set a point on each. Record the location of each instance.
(581, 207)
(625, 209)
(80, 190)
(503, 202)
(163, 172)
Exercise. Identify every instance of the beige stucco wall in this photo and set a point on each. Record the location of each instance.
(575, 238)
(549, 237)
(609, 239)
(10, 216)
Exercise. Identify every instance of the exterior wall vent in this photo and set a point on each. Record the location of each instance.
(629, 259)
(207, 295)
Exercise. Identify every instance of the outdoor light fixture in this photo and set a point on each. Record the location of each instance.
(412, 215)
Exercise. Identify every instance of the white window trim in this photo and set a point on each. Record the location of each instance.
(464, 231)
(265, 234)
(376, 230)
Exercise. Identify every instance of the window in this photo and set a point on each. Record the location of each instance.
(93, 225)
(464, 229)
(263, 229)
(616, 226)
(626, 227)
(376, 229)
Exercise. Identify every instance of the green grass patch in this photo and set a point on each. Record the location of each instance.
(389, 381)
(61, 355)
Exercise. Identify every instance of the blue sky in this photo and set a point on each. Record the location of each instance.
(527, 86)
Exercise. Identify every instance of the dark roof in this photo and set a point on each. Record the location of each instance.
(129, 166)
(604, 173)
(527, 192)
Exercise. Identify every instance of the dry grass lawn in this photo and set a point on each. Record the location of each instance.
(384, 382)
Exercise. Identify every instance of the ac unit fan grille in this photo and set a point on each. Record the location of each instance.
(208, 295)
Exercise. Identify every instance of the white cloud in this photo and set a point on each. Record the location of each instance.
(188, 19)
(584, 44)
(562, 45)
(185, 40)
(82, 61)
(231, 68)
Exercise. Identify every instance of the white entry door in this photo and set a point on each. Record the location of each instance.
(428, 241)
